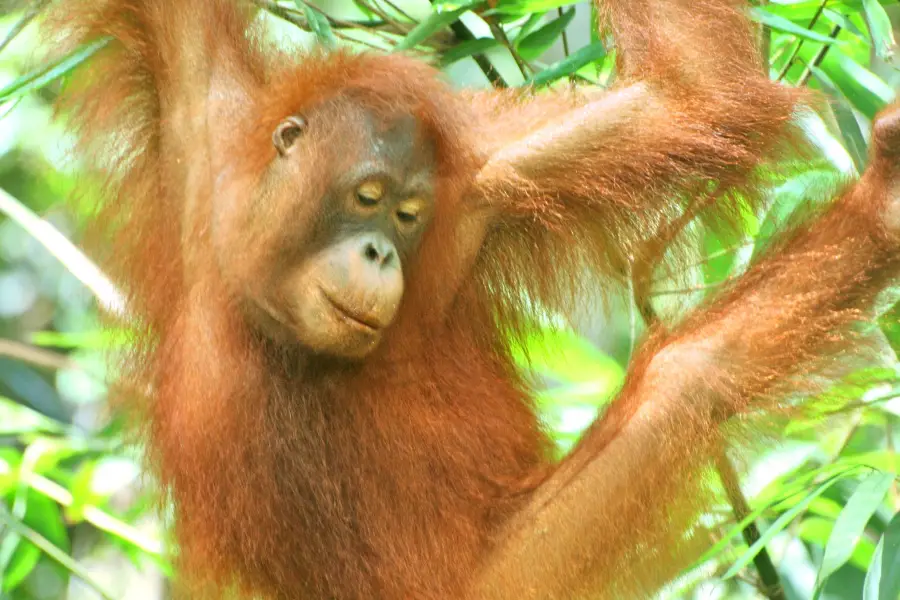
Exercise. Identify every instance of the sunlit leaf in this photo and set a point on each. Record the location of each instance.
(565, 356)
(791, 200)
(432, 24)
(816, 530)
(318, 24)
(569, 65)
(98, 339)
(41, 77)
(775, 528)
(880, 28)
(467, 49)
(17, 560)
(864, 89)
(16, 419)
(784, 25)
(846, 24)
(536, 43)
(883, 578)
(523, 7)
(773, 496)
(851, 524)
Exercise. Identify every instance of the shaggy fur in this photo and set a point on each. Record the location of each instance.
(423, 471)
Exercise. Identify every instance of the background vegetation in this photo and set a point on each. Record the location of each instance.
(77, 516)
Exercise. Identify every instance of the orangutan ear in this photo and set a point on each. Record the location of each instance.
(287, 133)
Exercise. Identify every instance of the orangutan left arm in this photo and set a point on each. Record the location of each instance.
(625, 499)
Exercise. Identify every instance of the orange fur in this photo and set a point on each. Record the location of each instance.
(424, 470)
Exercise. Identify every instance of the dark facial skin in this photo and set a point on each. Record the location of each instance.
(341, 286)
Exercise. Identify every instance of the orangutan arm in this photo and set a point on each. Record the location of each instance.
(613, 520)
(682, 134)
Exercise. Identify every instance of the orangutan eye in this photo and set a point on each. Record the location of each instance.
(369, 193)
(408, 212)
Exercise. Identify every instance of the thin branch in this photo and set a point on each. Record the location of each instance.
(565, 36)
(771, 582)
(818, 58)
(96, 516)
(501, 37)
(292, 16)
(298, 20)
(463, 34)
(50, 549)
(35, 356)
(709, 257)
(690, 290)
(65, 252)
(765, 43)
(739, 505)
(398, 10)
(388, 19)
(790, 62)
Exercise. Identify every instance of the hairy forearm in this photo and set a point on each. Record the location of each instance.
(639, 464)
(798, 304)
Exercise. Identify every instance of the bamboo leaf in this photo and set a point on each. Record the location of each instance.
(533, 45)
(318, 24)
(434, 22)
(851, 523)
(569, 65)
(41, 77)
(780, 523)
(785, 26)
(883, 578)
(467, 49)
(880, 29)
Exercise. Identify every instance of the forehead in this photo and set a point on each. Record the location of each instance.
(360, 133)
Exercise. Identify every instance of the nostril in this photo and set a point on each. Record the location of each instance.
(371, 253)
(378, 251)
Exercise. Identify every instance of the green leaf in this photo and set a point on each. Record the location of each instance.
(880, 29)
(42, 515)
(533, 45)
(790, 199)
(59, 553)
(851, 524)
(883, 578)
(41, 77)
(816, 530)
(846, 24)
(98, 339)
(531, 23)
(569, 65)
(785, 26)
(45, 517)
(432, 24)
(831, 148)
(776, 494)
(524, 7)
(564, 355)
(780, 523)
(318, 24)
(865, 90)
(467, 49)
(854, 140)
(16, 419)
(22, 559)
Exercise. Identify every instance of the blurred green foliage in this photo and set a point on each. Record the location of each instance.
(77, 516)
